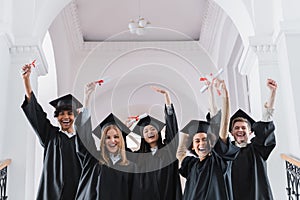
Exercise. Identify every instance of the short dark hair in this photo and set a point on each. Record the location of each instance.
(211, 138)
(65, 108)
(240, 119)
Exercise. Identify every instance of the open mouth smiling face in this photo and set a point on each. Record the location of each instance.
(241, 132)
(65, 119)
(150, 134)
(112, 141)
(201, 145)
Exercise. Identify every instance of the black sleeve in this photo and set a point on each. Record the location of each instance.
(214, 127)
(186, 165)
(86, 144)
(264, 140)
(38, 120)
(171, 125)
(226, 151)
(172, 136)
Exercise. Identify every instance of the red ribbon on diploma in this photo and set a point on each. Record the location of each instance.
(211, 77)
(103, 81)
(138, 117)
(33, 63)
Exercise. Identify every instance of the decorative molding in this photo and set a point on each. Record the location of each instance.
(261, 48)
(210, 22)
(22, 54)
(189, 46)
(287, 27)
(73, 25)
(265, 50)
(5, 40)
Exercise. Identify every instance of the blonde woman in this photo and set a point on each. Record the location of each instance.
(106, 173)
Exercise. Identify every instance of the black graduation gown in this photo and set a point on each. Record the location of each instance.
(100, 181)
(205, 179)
(159, 177)
(61, 166)
(249, 170)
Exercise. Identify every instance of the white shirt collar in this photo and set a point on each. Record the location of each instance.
(242, 145)
(114, 158)
(154, 150)
(68, 134)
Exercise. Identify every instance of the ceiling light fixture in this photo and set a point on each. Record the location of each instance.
(138, 26)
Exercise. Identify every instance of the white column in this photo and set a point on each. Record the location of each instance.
(288, 41)
(5, 63)
(19, 139)
(269, 66)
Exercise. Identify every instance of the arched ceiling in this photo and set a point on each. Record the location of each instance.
(185, 41)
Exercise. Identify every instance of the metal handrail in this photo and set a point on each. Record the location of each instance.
(3, 178)
(4, 163)
(293, 176)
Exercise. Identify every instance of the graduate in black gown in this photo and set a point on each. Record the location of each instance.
(107, 174)
(249, 170)
(61, 166)
(158, 177)
(207, 165)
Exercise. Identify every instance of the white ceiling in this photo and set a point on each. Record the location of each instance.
(171, 20)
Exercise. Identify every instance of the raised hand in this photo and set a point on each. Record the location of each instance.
(26, 71)
(224, 91)
(88, 90)
(272, 85)
(164, 92)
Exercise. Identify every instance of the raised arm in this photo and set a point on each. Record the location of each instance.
(272, 85)
(88, 90)
(83, 125)
(165, 93)
(26, 79)
(170, 117)
(213, 109)
(182, 148)
(225, 113)
(269, 105)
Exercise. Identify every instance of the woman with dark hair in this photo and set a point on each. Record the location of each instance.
(158, 176)
(206, 168)
(107, 174)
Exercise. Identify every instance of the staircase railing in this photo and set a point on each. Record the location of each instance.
(3, 178)
(293, 176)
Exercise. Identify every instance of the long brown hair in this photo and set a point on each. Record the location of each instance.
(104, 152)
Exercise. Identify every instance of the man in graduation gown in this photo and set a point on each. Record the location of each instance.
(249, 169)
(61, 166)
(207, 165)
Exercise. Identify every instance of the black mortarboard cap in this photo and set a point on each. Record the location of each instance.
(111, 119)
(195, 126)
(240, 113)
(148, 120)
(67, 100)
